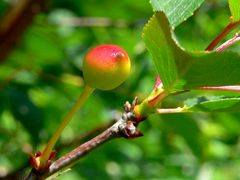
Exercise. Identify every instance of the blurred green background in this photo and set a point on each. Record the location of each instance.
(41, 78)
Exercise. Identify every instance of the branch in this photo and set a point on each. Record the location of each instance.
(85, 148)
(125, 127)
(15, 22)
(229, 43)
(83, 137)
(230, 27)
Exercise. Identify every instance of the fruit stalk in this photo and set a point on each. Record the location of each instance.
(87, 91)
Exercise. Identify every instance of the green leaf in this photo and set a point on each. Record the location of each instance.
(234, 6)
(176, 11)
(27, 113)
(182, 70)
(213, 104)
(45, 47)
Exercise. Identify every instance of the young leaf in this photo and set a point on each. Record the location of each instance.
(234, 6)
(213, 104)
(176, 11)
(182, 70)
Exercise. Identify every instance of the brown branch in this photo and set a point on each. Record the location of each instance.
(15, 22)
(83, 137)
(71, 158)
(82, 150)
(126, 127)
(230, 27)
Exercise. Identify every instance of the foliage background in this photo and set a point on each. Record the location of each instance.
(42, 77)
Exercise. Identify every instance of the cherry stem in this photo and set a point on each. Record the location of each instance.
(230, 27)
(87, 91)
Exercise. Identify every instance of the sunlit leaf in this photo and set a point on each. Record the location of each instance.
(177, 11)
(234, 6)
(182, 70)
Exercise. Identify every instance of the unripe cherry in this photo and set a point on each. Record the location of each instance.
(106, 66)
